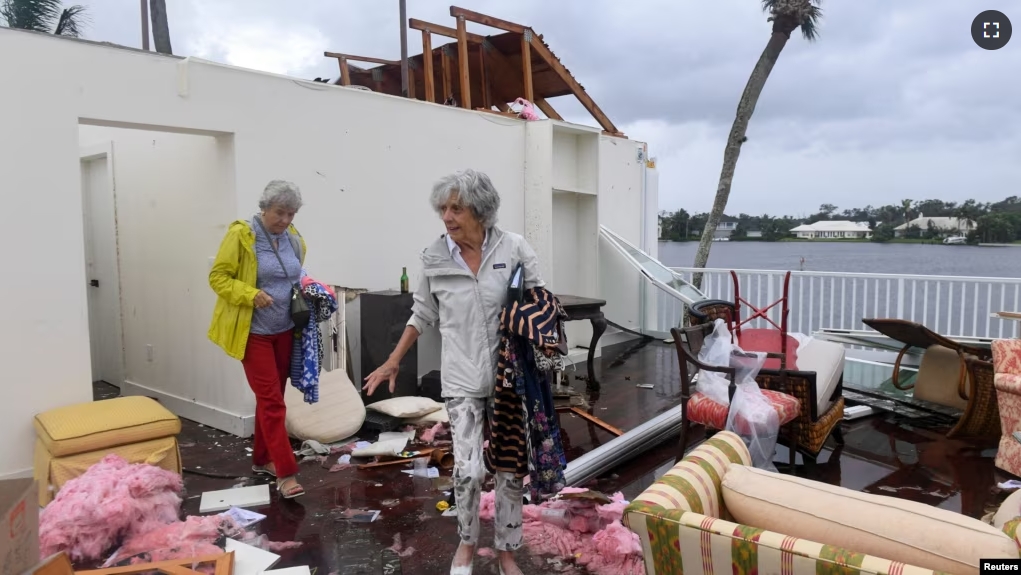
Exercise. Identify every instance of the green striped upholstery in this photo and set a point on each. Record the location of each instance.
(684, 527)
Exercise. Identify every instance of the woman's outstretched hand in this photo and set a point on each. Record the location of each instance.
(387, 371)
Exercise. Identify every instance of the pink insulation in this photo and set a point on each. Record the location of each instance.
(113, 499)
(580, 530)
(430, 435)
(193, 537)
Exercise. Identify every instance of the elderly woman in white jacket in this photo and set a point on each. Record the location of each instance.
(464, 283)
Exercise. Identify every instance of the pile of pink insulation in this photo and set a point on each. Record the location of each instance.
(579, 530)
(133, 506)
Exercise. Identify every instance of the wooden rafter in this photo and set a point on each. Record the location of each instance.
(543, 105)
(536, 44)
(526, 68)
(369, 59)
(439, 30)
(427, 66)
(568, 79)
(445, 65)
(462, 63)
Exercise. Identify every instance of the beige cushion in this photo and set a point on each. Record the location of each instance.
(826, 359)
(1009, 509)
(406, 407)
(439, 416)
(938, 375)
(337, 415)
(885, 527)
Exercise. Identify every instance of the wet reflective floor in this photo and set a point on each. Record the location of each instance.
(883, 454)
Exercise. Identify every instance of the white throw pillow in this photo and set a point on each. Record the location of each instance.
(439, 416)
(406, 407)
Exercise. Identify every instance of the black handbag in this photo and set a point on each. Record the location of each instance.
(300, 312)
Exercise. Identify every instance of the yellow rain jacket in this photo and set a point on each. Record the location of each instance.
(233, 279)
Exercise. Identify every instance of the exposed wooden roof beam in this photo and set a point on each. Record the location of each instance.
(362, 58)
(543, 105)
(487, 20)
(439, 30)
(568, 79)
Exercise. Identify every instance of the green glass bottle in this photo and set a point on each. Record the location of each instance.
(404, 280)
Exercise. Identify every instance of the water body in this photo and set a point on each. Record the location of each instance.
(852, 257)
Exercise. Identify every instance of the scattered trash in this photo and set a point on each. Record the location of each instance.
(244, 517)
(343, 463)
(486, 552)
(442, 506)
(253, 496)
(250, 558)
(249, 449)
(311, 448)
(391, 502)
(397, 547)
(452, 512)
(1009, 484)
(645, 385)
(430, 472)
(355, 515)
(430, 435)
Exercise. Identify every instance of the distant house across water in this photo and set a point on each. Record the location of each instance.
(833, 229)
(945, 225)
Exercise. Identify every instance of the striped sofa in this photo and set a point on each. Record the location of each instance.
(684, 527)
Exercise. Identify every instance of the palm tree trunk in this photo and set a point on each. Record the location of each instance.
(745, 108)
(160, 27)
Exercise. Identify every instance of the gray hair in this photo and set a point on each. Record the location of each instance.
(281, 193)
(474, 190)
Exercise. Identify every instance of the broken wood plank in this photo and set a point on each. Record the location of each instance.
(483, 77)
(427, 66)
(224, 566)
(362, 59)
(487, 20)
(543, 105)
(462, 64)
(441, 30)
(345, 72)
(568, 79)
(592, 419)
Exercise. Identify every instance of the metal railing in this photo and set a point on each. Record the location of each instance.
(950, 305)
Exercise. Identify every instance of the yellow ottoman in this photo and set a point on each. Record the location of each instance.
(71, 439)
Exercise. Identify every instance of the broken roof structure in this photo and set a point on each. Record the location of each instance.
(484, 73)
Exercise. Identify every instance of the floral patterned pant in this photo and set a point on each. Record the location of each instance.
(467, 421)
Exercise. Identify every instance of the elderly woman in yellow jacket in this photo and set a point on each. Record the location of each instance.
(258, 263)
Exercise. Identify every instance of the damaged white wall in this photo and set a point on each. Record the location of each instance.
(365, 163)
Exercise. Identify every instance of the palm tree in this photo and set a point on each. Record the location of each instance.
(44, 16)
(786, 16)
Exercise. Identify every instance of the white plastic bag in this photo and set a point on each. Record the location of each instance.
(751, 416)
(716, 350)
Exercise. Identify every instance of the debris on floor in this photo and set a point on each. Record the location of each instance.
(435, 432)
(577, 526)
(355, 515)
(224, 499)
(136, 506)
(398, 548)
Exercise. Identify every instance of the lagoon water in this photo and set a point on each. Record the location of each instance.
(854, 257)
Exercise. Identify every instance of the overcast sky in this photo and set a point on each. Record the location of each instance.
(893, 101)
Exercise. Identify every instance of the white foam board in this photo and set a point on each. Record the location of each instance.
(303, 570)
(252, 496)
(249, 560)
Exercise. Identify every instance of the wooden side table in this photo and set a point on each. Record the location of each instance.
(579, 308)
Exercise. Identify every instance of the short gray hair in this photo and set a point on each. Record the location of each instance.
(281, 193)
(474, 190)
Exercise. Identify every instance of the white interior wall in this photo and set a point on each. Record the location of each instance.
(620, 209)
(365, 163)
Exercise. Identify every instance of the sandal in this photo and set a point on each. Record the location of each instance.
(263, 470)
(296, 490)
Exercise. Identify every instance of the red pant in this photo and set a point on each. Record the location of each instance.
(267, 364)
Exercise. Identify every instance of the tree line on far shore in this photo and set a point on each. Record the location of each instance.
(994, 222)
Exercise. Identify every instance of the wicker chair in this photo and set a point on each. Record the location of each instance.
(981, 419)
(712, 415)
(708, 311)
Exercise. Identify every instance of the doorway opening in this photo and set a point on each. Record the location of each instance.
(154, 203)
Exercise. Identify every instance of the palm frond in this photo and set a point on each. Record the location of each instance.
(38, 15)
(805, 14)
(72, 22)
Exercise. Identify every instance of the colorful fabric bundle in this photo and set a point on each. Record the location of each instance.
(307, 353)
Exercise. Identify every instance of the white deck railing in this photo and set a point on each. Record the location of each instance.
(950, 305)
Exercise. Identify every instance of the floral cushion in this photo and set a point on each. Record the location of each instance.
(1007, 356)
(707, 412)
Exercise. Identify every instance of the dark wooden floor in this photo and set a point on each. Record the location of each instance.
(882, 455)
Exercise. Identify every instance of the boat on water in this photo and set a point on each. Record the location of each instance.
(955, 240)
